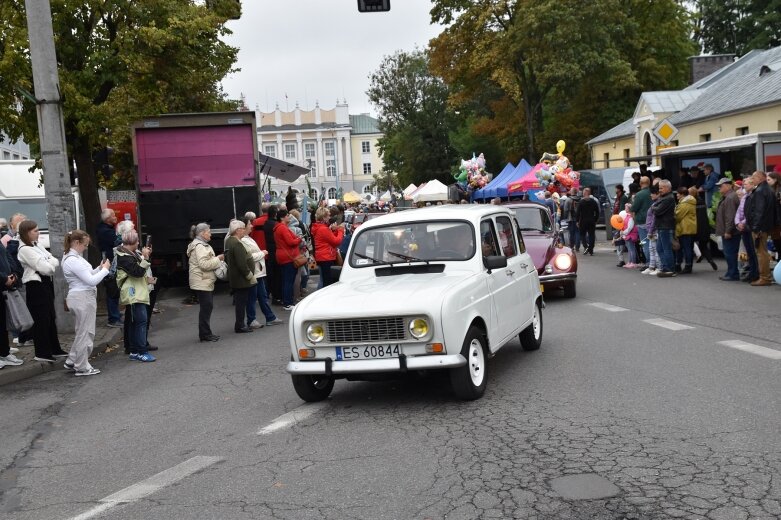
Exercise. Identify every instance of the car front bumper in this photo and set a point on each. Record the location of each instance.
(365, 366)
(558, 278)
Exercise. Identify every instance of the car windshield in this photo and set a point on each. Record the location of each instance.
(533, 219)
(413, 242)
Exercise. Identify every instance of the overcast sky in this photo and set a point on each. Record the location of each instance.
(319, 50)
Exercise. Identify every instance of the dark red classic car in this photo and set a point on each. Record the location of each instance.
(556, 263)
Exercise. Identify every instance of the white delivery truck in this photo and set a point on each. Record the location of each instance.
(21, 192)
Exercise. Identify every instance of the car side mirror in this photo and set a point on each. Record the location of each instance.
(494, 262)
(336, 272)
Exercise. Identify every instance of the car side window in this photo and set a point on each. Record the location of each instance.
(488, 239)
(546, 223)
(521, 244)
(506, 239)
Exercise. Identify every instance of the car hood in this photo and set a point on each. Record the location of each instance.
(540, 247)
(380, 295)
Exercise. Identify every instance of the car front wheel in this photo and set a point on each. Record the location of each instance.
(469, 381)
(531, 336)
(313, 388)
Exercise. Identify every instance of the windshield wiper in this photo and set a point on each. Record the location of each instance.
(373, 260)
(406, 257)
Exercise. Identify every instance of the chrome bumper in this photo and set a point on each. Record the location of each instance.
(558, 277)
(365, 366)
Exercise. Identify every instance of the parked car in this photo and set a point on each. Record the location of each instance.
(557, 265)
(443, 287)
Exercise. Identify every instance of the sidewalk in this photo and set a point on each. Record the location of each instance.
(106, 340)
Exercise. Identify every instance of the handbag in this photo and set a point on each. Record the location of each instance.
(339, 259)
(300, 260)
(19, 317)
(222, 271)
(676, 244)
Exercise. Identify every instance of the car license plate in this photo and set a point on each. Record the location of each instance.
(367, 352)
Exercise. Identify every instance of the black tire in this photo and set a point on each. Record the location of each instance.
(469, 381)
(569, 290)
(313, 388)
(531, 336)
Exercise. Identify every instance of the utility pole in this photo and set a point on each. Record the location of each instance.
(51, 132)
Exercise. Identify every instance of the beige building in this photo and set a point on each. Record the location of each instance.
(733, 98)
(339, 149)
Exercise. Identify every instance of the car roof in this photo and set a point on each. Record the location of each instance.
(470, 212)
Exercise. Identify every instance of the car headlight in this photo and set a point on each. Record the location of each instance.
(418, 328)
(315, 332)
(562, 262)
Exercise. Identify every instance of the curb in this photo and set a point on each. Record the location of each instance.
(33, 368)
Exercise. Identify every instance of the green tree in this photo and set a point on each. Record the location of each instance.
(383, 180)
(413, 116)
(737, 26)
(119, 60)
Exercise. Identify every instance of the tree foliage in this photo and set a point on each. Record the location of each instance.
(737, 26)
(412, 113)
(119, 60)
(561, 69)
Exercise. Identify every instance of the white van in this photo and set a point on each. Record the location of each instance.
(628, 175)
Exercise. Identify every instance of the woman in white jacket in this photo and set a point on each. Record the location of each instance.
(39, 266)
(82, 302)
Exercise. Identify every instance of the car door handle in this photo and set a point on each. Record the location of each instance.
(524, 266)
(510, 273)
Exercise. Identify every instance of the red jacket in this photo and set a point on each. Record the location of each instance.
(326, 241)
(257, 233)
(287, 244)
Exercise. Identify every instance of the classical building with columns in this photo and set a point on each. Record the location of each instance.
(10, 151)
(340, 149)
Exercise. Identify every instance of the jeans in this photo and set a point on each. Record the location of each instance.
(112, 308)
(748, 243)
(686, 253)
(574, 234)
(588, 234)
(642, 233)
(632, 250)
(240, 306)
(206, 304)
(137, 331)
(325, 273)
(664, 246)
(252, 297)
(653, 255)
(731, 248)
(265, 308)
(288, 280)
(304, 277)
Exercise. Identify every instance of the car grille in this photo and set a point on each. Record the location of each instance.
(362, 331)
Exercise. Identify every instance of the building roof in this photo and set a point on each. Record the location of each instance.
(364, 124)
(625, 129)
(669, 100)
(753, 81)
(326, 125)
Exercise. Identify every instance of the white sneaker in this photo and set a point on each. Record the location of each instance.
(647, 270)
(28, 343)
(289, 307)
(10, 359)
(89, 372)
(13, 350)
(653, 272)
(256, 325)
(16, 341)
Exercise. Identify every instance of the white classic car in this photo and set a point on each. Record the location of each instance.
(443, 287)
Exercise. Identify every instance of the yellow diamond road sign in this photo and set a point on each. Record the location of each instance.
(666, 131)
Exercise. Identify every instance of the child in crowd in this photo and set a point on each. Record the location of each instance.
(653, 260)
(630, 235)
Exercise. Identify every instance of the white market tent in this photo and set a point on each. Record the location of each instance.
(432, 191)
(386, 196)
(408, 191)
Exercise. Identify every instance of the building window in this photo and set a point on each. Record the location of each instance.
(366, 147)
(704, 138)
(367, 168)
(313, 194)
(779, 125)
(743, 130)
(16, 157)
(7, 156)
(331, 193)
(626, 156)
(270, 150)
(330, 168)
(367, 188)
(273, 194)
(606, 159)
(329, 149)
(290, 152)
(312, 165)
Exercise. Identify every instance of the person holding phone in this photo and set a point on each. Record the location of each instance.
(132, 269)
(82, 299)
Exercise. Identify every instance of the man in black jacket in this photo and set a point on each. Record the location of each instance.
(760, 213)
(273, 274)
(588, 214)
(664, 222)
(107, 240)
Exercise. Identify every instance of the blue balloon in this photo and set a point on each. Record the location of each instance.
(777, 273)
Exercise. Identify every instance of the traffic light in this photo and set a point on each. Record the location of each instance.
(373, 6)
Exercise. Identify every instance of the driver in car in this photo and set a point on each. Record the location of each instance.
(455, 243)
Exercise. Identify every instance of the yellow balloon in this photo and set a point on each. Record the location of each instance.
(560, 145)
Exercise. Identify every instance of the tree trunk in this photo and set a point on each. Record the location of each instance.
(88, 192)
(528, 107)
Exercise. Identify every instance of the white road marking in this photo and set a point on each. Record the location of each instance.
(608, 307)
(292, 417)
(151, 485)
(671, 325)
(752, 349)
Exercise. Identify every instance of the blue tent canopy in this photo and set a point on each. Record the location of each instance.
(519, 171)
(481, 193)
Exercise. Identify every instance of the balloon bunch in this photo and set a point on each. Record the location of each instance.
(472, 173)
(556, 167)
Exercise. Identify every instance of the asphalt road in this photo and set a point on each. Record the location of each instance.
(615, 417)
